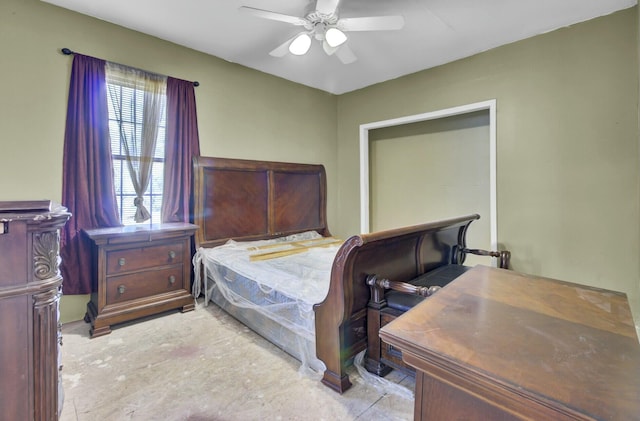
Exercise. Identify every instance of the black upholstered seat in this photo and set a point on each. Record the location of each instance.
(437, 277)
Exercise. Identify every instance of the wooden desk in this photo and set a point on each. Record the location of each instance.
(499, 345)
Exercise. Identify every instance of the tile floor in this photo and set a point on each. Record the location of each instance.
(204, 365)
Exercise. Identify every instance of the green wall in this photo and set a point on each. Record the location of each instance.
(419, 158)
(567, 137)
(567, 145)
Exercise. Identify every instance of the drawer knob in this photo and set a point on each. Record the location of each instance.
(121, 289)
(172, 279)
(172, 254)
(121, 261)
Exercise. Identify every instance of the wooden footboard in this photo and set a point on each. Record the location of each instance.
(402, 254)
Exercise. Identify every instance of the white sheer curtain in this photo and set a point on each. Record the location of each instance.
(138, 144)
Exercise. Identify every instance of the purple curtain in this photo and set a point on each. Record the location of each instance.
(182, 144)
(87, 180)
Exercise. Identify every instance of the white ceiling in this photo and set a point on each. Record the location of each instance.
(435, 32)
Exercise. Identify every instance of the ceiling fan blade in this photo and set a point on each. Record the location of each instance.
(265, 14)
(327, 7)
(329, 49)
(282, 49)
(345, 54)
(373, 23)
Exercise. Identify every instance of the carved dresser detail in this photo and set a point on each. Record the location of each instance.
(30, 288)
(138, 271)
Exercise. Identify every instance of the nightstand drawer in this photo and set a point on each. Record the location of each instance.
(120, 261)
(143, 284)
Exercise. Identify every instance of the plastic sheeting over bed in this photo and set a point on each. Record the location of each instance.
(271, 286)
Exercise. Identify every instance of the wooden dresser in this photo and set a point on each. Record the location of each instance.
(139, 271)
(30, 287)
(499, 345)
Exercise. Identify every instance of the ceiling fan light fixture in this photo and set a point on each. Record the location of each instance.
(300, 45)
(335, 37)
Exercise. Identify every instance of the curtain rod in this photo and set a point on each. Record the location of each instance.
(68, 52)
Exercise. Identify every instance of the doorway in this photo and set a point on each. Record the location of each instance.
(431, 166)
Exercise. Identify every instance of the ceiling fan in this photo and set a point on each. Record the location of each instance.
(324, 25)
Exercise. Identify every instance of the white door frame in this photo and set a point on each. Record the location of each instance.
(432, 115)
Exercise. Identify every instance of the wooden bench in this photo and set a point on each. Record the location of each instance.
(390, 299)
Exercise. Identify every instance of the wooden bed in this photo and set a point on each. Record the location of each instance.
(250, 200)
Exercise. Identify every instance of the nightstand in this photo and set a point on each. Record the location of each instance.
(138, 271)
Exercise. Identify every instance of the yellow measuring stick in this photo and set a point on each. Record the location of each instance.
(296, 247)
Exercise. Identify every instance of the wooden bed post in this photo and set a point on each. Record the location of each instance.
(331, 315)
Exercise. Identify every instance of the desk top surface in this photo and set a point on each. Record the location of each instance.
(568, 344)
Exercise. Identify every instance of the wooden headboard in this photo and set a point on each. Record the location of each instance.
(249, 200)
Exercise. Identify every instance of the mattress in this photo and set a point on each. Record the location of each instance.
(271, 286)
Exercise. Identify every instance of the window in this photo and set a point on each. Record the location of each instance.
(87, 183)
(127, 117)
